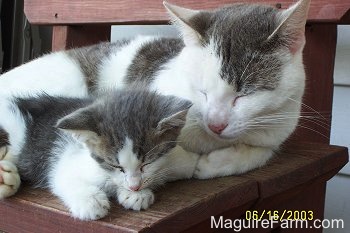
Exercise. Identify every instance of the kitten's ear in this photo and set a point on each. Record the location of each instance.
(181, 18)
(82, 125)
(292, 25)
(175, 122)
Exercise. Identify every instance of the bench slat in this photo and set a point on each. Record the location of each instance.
(55, 12)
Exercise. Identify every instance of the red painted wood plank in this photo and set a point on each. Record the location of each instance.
(298, 164)
(319, 56)
(66, 37)
(179, 205)
(189, 204)
(152, 12)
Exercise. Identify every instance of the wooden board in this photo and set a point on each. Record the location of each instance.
(66, 37)
(152, 12)
(189, 204)
(178, 206)
(297, 164)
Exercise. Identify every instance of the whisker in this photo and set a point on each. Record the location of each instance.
(163, 143)
(282, 125)
(277, 118)
(306, 106)
(253, 56)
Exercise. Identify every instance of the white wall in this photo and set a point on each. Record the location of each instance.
(338, 188)
(341, 100)
(128, 32)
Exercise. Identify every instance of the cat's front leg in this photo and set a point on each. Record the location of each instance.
(85, 201)
(138, 200)
(232, 160)
(79, 187)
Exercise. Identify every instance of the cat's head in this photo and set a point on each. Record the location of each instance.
(245, 62)
(128, 133)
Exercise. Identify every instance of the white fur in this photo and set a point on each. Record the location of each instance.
(54, 74)
(13, 123)
(128, 160)
(76, 179)
(232, 160)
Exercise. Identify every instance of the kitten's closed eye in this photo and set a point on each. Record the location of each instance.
(204, 93)
(117, 167)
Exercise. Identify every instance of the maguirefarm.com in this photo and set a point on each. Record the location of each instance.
(237, 225)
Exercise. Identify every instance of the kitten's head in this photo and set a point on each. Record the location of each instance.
(128, 132)
(245, 61)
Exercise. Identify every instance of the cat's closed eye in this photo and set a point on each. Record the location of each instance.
(238, 97)
(142, 168)
(235, 100)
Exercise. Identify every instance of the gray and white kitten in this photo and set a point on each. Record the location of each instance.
(240, 65)
(122, 146)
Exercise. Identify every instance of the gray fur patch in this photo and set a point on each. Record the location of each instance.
(90, 58)
(4, 138)
(150, 58)
(239, 33)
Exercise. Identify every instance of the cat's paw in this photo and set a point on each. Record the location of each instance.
(204, 168)
(9, 179)
(92, 205)
(216, 164)
(136, 200)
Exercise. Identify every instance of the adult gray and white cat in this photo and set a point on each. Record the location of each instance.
(240, 65)
(122, 145)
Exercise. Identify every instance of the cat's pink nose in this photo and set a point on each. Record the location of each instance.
(217, 128)
(135, 188)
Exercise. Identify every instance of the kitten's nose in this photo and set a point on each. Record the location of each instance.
(217, 128)
(135, 187)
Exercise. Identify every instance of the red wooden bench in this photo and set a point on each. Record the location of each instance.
(294, 180)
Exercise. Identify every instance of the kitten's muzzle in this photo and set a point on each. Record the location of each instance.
(135, 187)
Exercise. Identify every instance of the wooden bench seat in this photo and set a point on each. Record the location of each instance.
(294, 180)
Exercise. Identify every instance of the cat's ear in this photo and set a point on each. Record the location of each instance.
(291, 25)
(82, 125)
(182, 19)
(176, 121)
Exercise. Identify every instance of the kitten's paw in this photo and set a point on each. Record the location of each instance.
(136, 200)
(92, 205)
(9, 179)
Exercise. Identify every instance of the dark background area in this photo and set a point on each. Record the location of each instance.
(20, 41)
